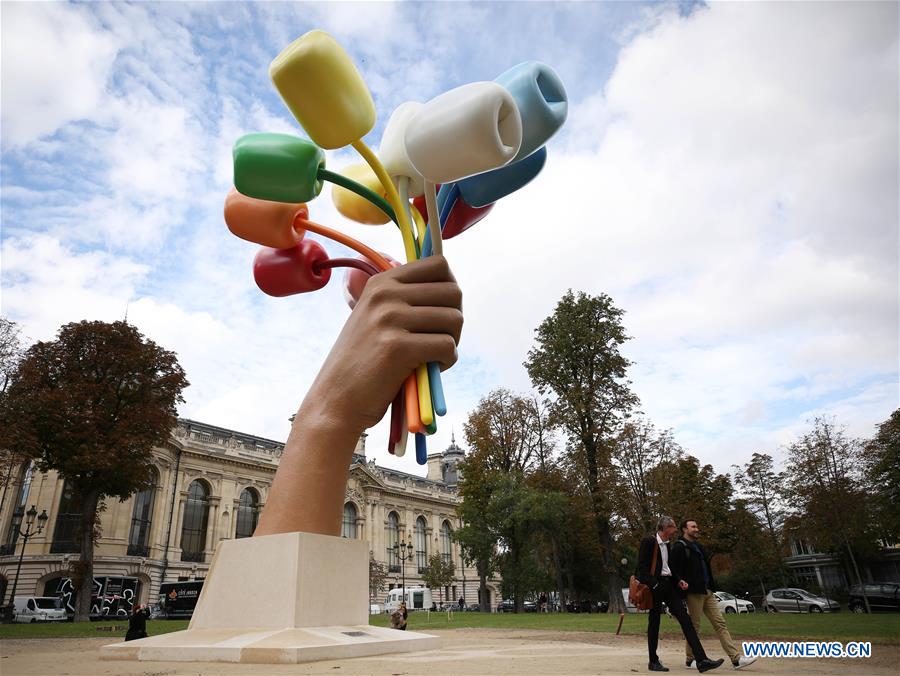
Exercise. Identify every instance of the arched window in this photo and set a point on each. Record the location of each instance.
(393, 538)
(446, 551)
(421, 544)
(247, 513)
(67, 532)
(193, 529)
(12, 535)
(348, 526)
(141, 516)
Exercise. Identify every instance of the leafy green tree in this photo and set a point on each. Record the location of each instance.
(10, 355)
(882, 464)
(378, 573)
(639, 449)
(576, 359)
(439, 573)
(689, 490)
(92, 405)
(476, 536)
(825, 484)
(763, 490)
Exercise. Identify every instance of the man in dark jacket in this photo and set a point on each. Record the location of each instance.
(691, 564)
(666, 588)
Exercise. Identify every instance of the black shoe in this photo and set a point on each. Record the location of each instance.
(656, 666)
(709, 665)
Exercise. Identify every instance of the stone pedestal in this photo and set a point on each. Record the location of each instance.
(288, 598)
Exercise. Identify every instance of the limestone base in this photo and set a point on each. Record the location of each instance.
(265, 646)
(279, 599)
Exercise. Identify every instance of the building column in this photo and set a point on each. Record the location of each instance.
(212, 526)
(175, 542)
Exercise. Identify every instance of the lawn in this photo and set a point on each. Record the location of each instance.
(883, 628)
(880, 628)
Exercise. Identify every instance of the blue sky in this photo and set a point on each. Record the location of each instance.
(728, 174)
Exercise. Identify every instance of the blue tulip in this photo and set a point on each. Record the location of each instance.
(541, 97)
(483, 189)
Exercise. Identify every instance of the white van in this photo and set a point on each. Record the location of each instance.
(417, 598)
(38, 609)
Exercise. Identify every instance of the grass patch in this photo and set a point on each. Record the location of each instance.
(881, 628)
(104, 629)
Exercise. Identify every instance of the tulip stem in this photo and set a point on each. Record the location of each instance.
(368, 268)
(361, 190)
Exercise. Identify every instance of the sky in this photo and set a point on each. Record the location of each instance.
(728, 175)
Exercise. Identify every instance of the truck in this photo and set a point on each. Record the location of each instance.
(417, 598)
(177, 600)
(29, 609)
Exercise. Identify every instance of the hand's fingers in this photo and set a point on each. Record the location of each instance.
(421, 348)
(430, 269)
(434, 320)
(434, 294)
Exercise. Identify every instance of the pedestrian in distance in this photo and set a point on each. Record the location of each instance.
(690, 563)
(137, 623)
(666, 588)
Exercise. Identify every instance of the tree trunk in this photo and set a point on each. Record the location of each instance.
(483, 604)
(560, 588)
(85, 585)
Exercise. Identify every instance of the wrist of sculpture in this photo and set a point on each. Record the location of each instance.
(317, 420)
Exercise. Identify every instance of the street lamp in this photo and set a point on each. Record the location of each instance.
(404, 552)
(26, 535)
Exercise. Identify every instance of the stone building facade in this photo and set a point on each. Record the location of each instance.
(211, 484)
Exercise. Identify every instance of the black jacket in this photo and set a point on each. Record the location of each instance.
(645, 558)
(685, 563)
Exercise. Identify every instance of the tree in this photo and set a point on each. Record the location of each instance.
(10, 351)
(439, 573)
(639, 449)
(763, 489)
(92, 405)
(10, 355)
(825, 484)
(882, 474)
(476, 536)
(505, 433)
(577, 359)
(378, 573)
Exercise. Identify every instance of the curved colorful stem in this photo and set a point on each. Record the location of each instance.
(446, 199)
(411, 394)
(359, 189)
(434, 221)
(421, 449)
(426, 412)
(369, 269)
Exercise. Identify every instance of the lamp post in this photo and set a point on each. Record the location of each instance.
(404, 552)
(26, 535)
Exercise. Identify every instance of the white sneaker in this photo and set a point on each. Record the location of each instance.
(743, 662)
(692, 665)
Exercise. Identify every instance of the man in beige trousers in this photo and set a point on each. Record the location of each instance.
(690, 563)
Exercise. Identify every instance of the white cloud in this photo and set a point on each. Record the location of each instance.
(732, 187)
(56, 63)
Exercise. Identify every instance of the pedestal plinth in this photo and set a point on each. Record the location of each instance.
(287, 598)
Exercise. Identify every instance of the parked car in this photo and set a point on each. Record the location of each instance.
(588, 606)
(375, 609)
(727, 604)
(506, 606)
(38, 609)
(883, 597)
(530, 607)
(473, 608)
(793, 600)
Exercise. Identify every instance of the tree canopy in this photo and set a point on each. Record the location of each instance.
(92, 405)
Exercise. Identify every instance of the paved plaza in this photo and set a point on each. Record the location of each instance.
(465, 651)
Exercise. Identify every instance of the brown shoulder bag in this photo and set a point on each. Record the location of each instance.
(639, 594)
